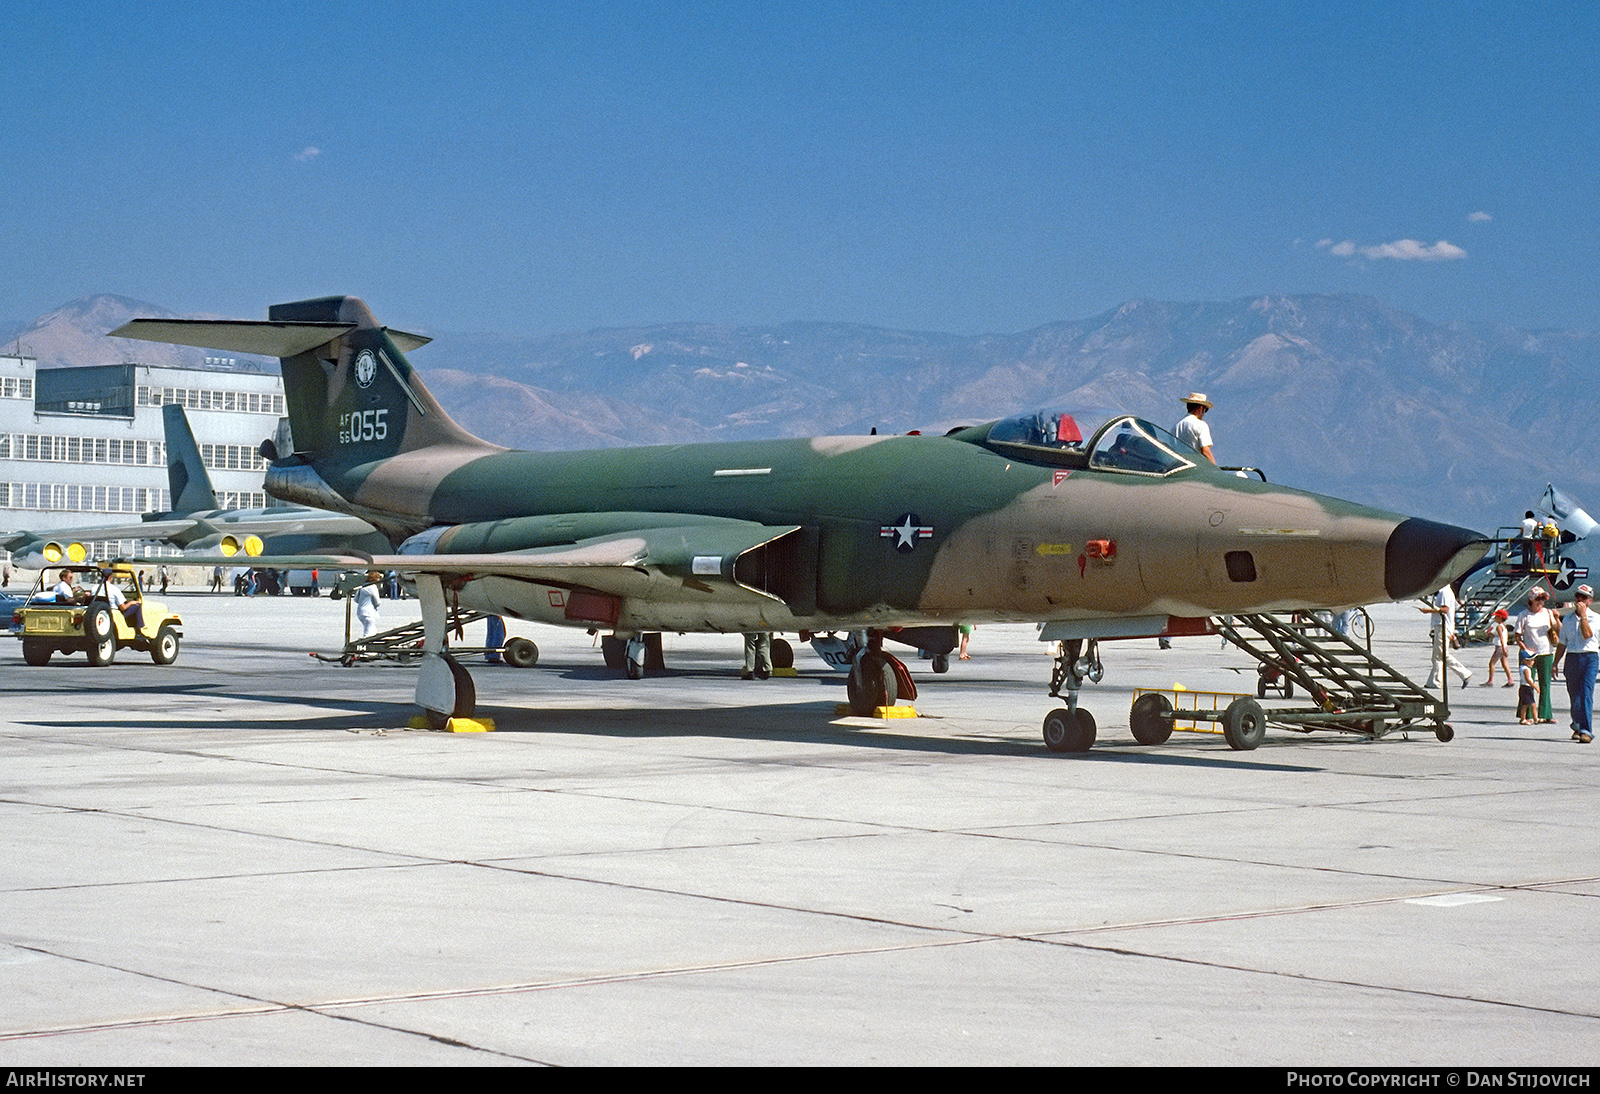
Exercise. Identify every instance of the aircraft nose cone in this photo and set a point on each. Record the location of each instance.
(1423, 554)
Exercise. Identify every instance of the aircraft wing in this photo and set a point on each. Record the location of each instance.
(25, 545)
(624, 563)
(298, 522)
(183, 531)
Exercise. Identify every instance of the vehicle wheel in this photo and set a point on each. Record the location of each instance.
(165, 649)
(1065, 733)
(101, 634)
(36, 653)
(614, 650)
(782, 654)
(1445, 733)
(1288, 687)
(1151, 719)
(1360, 625)
(1261, 687)
(941, 662)
(521, 653)
(871, 684)
(1244, 724)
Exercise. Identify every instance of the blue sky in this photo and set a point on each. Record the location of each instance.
(533, 168)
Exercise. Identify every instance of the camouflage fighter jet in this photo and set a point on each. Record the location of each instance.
(1019, 520)
(196, 523)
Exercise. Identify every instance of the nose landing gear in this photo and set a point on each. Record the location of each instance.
(1071, 728)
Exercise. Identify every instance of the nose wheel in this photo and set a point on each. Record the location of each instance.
(1071, 728)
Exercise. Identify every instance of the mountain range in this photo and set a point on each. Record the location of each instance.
(1343, 395)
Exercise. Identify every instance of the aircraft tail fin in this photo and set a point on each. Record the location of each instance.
(186, 473)
(352, 396)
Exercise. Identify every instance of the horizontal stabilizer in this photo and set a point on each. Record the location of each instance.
(264, 339)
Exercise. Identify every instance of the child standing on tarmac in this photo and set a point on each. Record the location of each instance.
(1500, 655)
(1528, 693)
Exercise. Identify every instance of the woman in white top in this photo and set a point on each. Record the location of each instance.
(1532, 627)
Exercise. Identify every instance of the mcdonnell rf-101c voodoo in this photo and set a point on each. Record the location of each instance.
(1124, 531)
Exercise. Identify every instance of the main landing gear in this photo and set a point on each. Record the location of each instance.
(1071, 728)
(877, 679)
(444, 689)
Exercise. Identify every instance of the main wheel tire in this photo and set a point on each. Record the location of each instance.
(614, 650)
(1069, 731)
(782, 654)
(1244, 724)
(36, 653)
(871, 684)
(1151, 719)
(101, 634)
(164, 651)
(941, 662)
(521, 653)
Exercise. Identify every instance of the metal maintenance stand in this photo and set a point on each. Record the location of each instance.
(404, 644)
(1353, 691)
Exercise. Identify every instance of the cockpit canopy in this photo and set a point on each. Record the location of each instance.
(1125, 444)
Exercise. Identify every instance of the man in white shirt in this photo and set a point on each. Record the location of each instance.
(1529, 539)
(1193, 430)
(132, 610)
(65, 592)
(1443, 611)
(1580, 638)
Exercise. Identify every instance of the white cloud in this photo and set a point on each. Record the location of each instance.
(1479, 217)
(309, 152)
(1404, 250)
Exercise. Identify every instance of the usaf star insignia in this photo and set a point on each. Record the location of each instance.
(1570, 572)
(905, 532)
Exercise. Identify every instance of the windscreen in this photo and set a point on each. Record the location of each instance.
(1133, 444)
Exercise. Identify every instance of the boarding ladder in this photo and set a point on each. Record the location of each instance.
(1507, 587)
(1352, 691)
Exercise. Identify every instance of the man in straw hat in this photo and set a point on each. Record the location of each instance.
(1193, 430)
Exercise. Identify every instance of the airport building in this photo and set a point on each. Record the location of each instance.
(84, 446)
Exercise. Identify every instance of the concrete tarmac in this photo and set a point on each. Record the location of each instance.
(246, 858)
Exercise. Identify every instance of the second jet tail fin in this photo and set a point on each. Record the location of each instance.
(187, 477)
